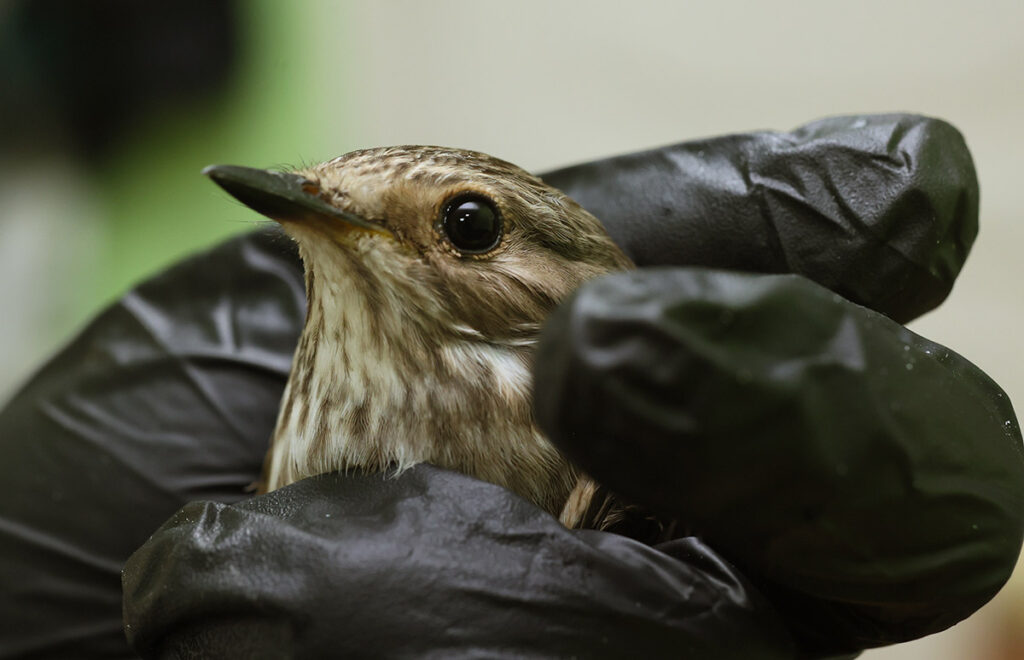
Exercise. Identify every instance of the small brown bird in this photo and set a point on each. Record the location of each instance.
(429, 272)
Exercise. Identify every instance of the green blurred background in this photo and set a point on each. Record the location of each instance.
(96, 196)
(87, 211)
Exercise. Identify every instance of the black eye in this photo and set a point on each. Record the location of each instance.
(472, 224)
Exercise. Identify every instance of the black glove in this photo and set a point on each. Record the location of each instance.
(171, 394)
(867, 480)
(168, 396)
(430, 564)
(881, 209)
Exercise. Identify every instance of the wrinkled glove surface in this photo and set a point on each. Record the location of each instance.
(866, 479)
(170, 396)
(880, 209)
(431, 564)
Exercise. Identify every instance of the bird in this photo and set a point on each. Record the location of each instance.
(429, 272)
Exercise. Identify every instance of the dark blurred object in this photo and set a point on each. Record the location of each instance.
(882, 209)
(79, 72)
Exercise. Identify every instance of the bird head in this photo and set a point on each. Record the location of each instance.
(429, 272)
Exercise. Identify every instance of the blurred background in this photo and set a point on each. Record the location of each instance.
(109, 109)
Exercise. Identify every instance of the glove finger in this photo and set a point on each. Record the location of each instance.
(882, 209)
(821, 446)
(430, 563)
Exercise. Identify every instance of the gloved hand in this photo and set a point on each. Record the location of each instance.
(429, 564)
(867, 480)
(170, 396)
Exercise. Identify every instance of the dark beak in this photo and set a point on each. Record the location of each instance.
(280, 196)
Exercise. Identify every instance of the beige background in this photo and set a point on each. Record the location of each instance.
(541, 83)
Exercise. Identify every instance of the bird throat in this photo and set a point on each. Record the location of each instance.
(378, 384)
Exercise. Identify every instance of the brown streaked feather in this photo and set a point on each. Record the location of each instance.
(592, 506)
(411, 352)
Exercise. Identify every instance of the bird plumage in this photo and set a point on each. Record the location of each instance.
(415, 351)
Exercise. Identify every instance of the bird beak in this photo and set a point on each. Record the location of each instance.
(280, 196)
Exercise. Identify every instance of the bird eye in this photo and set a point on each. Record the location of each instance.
(472, 224)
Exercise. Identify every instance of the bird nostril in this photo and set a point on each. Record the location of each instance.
(310, 187)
